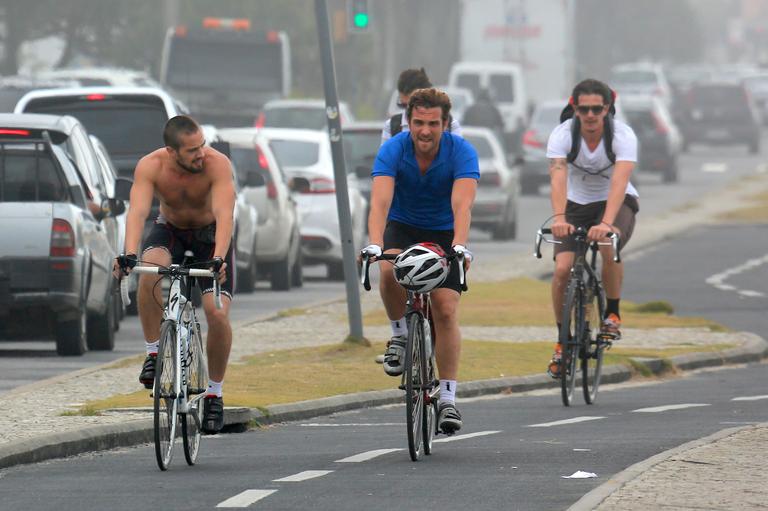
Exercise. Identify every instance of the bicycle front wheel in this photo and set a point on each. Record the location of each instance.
(165, 404)
(414, 385)
(197, 377)
(592, 357)
(569, 341)
(431, 393)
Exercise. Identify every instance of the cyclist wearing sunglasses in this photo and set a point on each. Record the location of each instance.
(409, 81)
(591, 159)
(424, 184)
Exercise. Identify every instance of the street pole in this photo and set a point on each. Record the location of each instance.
(348, 250)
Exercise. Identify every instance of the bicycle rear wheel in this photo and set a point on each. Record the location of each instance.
(165, 404)
(569, 341)
(429, 422)
(414, 384)
(592, 358)
(197, 377)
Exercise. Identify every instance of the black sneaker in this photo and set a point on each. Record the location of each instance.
(449, 418)
(213, 415)
(147, 376)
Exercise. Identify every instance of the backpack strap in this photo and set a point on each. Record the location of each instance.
(395, 124)
(450, 123)
(575, 140)
(608, 129)
(608, 137)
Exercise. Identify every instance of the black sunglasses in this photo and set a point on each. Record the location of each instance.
(585, 109)
(402, 105)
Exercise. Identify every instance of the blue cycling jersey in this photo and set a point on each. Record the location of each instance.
(424, 200)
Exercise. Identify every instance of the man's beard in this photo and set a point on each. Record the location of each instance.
(191, 170)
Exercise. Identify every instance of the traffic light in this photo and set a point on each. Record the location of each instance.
(358, 15)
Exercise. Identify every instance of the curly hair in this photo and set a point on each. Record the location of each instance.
(430, 98)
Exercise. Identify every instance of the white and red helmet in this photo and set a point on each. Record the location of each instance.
(422, 267)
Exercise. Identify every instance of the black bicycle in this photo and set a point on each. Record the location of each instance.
(583, 311)
(419, 379)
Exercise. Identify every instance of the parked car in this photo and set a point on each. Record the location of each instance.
(757, 85)
(534, 171)
(362, 141)
(641, 78)
(461, 98)
(12, 88)
(659, 139)
(720, 113)
(266, 187)
(56, 261)
(101, 77)
(299, 114)
(495, 207)
(305, 155)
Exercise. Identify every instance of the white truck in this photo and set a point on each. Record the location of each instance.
(535, 34)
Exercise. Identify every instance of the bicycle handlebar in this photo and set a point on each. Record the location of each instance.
(366, 260)
(580, 231)
(175, 271)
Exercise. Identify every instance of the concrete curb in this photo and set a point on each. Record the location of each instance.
(135, 432)
(593, 499)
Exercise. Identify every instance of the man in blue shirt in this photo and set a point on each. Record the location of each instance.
(424, 184)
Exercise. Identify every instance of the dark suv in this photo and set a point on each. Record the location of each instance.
(720, 113)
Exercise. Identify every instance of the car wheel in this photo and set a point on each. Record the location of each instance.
(101, 328)
(670, 173)
(297, 273)
(71, 334)
(280, 277)
(754, 147)
(336, 271)
(529, 187)
(246, 279)
(117, 309)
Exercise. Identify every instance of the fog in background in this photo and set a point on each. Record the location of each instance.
(588, 36)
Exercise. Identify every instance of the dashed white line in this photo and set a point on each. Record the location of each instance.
(303, 476)
(465, 437)
(350, 424)
(750, 398)
(365, 456)
(246, 498)
(574, 420)
(657, 409)
(718, 280)
(714, 167)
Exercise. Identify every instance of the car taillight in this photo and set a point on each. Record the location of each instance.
(20, 133)
(530, 140)
(492, 178)
(271, 190)
(259, 121)
(95, 97)
(321, 185)
(661, 128)
(62, 239)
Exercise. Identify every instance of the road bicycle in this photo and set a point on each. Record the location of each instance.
(583, 310)
(181, 374)
(419, 380)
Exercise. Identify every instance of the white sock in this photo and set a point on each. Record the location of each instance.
(399, 327)
(152, 347)
(447, 391)
(214, 388)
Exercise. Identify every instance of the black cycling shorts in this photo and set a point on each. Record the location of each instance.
(201, 242)
(402, 236)
(591, 214)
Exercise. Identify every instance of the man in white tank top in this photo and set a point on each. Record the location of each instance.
(590, 187)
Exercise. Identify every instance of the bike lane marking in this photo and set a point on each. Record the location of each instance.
(303, 476)
(365, 456)
(464, 437)
(657, 409)
(246, 498)
(574, 420)
(718, 280)
(750, 398)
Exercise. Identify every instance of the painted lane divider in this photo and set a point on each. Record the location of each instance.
(365, 456)
(714, 167)
(564, 422)
(750, 398)
(303, 476)
(246, 498)
(657, 409)
(718, 280)
(350, 424)
(456, 438)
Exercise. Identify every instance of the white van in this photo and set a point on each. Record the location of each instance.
(504, 81)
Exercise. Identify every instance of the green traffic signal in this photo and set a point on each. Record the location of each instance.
(361, 19)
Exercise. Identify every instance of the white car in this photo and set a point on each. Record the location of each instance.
(305, 155)
(641, 78)
(306, 114)
(101, 77)
(461, 99)
(495, 207)
(279, 255)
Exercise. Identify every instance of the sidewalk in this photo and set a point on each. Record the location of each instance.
(34, 428)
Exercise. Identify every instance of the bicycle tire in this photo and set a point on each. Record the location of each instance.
(569, 341)
(594, 346)
(196, 385)
(429, 423)
(414, 384)
(165, 403)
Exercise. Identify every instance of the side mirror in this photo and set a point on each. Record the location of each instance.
(123, 188)
(113, 207)
(254, 178)
(300, 184)
(363, 171)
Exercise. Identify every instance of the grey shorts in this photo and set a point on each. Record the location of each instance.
(590, 214)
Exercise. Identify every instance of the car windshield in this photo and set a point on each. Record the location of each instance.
(295, 153)
(481, 145)
(469, 81)
(127, 125)
(720, 101)
(27, 174)
(546, 118)
(295, 117)
(361, 148)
